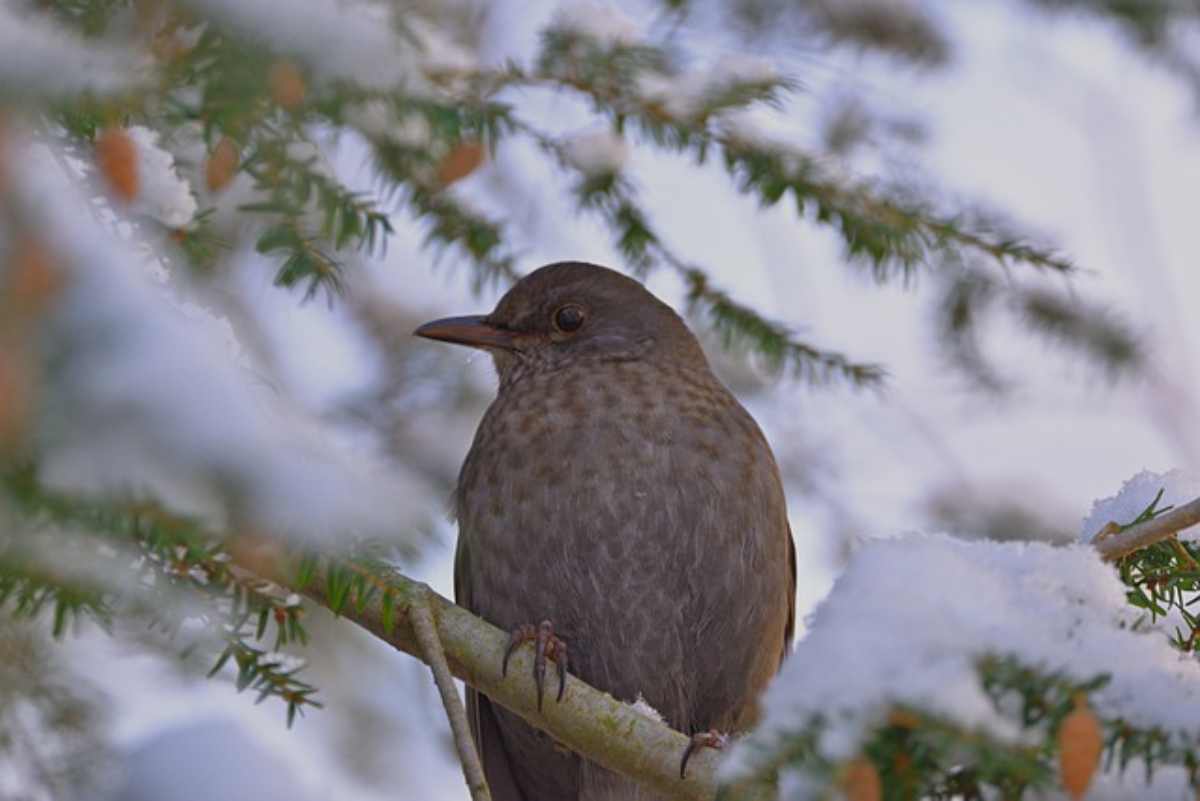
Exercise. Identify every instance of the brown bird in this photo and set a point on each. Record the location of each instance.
(618, 496)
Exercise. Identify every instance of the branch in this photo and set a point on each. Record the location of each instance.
(588, 721)
(392, 607)
(426, 632)
(885, 228)
(612, 198)
(1113, 544)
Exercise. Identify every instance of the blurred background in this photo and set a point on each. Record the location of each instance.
(1074, 120)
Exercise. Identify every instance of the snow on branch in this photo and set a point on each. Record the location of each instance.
(930, 631)
(700, 112)
(360, 42)
(162, 195)
(602, 23)
(596, 152)
(38, 58)
(599, 157)
(153, 396)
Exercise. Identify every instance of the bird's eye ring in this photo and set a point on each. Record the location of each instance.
(569, 318)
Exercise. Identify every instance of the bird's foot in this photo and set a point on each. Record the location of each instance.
(545, 645)
(705, 739)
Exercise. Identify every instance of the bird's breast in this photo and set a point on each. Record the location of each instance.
(628, 449)
(628, 507)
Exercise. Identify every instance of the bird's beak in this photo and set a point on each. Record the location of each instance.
(473, 330)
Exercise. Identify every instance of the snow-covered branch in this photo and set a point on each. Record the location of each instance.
(974, 652)
(155, 398)
(40, 58)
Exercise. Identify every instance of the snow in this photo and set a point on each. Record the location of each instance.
(374, 118)
(909, 617)
(683, 95)
(162, 194)
(645, 708)
(39, 57)
(378, 120)
(739, 68)
(355, 41)
(1179, 487)
(601, 22)
(439, 53)
(412, 131)
(597, 152)
(153, 398)
(676, 95)
(312, 157)
(1170, 783)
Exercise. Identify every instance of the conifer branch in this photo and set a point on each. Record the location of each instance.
(31, 588)
(891, 231)
(737, 324)
(179, 560)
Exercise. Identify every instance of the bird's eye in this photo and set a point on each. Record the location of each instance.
(568, 318)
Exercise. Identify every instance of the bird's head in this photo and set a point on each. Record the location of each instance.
(571, 312)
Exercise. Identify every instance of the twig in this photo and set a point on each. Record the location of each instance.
(1184, 556)
(435, 657)
(1148, 532)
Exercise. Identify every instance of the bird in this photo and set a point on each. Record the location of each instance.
(619, 508)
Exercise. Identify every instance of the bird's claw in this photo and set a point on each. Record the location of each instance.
(545, 645)
(707, 739)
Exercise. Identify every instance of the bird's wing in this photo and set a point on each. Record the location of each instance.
(489, 741)
(485, 729)
(790, 629)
